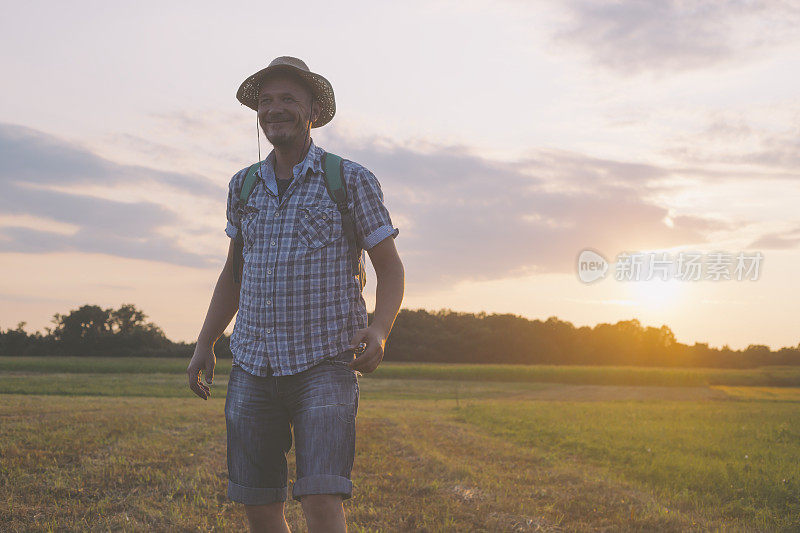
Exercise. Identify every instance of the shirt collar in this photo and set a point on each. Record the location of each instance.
(312, 161)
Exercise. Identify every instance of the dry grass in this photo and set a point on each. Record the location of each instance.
(431, 456)
(153, 464)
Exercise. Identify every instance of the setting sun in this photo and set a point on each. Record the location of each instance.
(657, 294)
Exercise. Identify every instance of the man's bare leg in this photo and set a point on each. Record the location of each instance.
(324, 513)
(267, 518)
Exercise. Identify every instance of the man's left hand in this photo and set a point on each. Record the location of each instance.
(375, 339)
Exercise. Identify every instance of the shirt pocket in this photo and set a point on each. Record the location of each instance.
(249, 223)
(318, 226)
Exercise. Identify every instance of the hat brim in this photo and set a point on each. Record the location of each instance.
(322, 89)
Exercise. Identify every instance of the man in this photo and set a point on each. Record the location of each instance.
(301, 313)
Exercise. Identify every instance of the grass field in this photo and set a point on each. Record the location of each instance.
(769, 376)
(120, 444)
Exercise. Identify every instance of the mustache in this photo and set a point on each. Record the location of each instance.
(278, 118)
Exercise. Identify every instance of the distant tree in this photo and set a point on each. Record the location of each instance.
(127, 319)
(83, 331)
(92, 330)
(759, 354)
(14, 341)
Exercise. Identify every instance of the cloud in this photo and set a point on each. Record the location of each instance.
(85, 211)
(676, 35)
(461, 216)
(208, 139)
(734, 140)
(32, 163)
(468, 218)
(30, 156)
(89, 240)
(777, 241)
(779, 149)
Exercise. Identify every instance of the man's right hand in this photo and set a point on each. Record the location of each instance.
(203, 361)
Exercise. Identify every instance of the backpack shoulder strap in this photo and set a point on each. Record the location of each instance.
(248, 184)
(333, 170)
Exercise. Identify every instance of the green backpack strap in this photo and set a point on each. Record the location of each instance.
(249, 183)
(333, 170)
(238, 243)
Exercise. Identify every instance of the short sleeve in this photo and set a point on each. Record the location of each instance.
(373, 223)
(232, 210)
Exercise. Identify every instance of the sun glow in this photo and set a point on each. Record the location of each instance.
(657, 293)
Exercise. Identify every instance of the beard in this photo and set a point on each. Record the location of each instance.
(284, 134)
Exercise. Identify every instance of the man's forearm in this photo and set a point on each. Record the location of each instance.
(224, 304)
(388, 295)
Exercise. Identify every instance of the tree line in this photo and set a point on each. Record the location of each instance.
(92, 330)
(449, 336)
(443, 336)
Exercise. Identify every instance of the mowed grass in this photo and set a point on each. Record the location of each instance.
(768, 376)
(735, 462)
(135, 451)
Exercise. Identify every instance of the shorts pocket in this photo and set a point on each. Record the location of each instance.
(347, 412)
(342, 366)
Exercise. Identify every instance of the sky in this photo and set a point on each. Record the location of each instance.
(507, 136)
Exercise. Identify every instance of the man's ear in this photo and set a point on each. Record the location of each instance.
(315, 110)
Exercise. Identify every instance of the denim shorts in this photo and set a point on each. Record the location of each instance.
(319, 403)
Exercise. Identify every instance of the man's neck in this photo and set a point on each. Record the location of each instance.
(286, 157)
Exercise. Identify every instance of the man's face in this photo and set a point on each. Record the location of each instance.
(284, 109)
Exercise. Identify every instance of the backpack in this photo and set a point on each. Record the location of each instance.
(332, 170)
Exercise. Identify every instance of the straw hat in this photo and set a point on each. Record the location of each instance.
(323, 92)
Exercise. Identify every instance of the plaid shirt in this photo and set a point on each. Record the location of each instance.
(300, 298)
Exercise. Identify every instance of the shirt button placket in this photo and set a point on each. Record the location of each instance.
(269, 283)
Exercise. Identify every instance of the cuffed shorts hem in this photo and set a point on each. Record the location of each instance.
(255, 496)
(323, 484)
